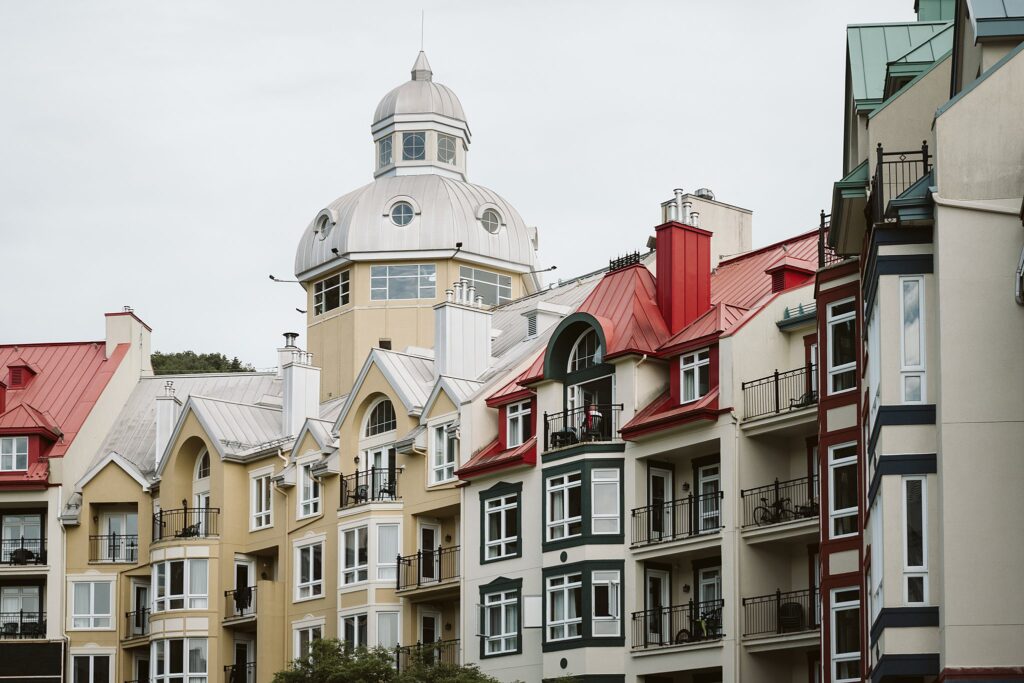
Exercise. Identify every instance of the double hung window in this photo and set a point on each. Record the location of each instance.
(565, 607)
(180, 584)
(842, 476)
(353, 631)
(354, 555)
(912, 367)
(310, 571)
(845, 645)
(309, 501)
(330, 293)
(387, 630)
(90, 668)
(564, 504)
(842, 346)
(179, 660)
(517, 427)
(501, 527)
(695, 375)
(92, 607)
(501, 622)
(304, 638)
(262, 501)
(13, 453)
(403, 282)
(915, 542)
(387, 551)
(443, 460)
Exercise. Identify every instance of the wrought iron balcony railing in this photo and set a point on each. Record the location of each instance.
(782, 501)
(240, 673)
(781, 612)
(676, 519)
(780, 392)
(587, 424)
(22, 624)
(693, 622)
(895, 172)
(240, 603)
(377, 484)
(185, 523)
(136, 623)
(440, 652)
(19, 551)
(428, 567)
(114, 548)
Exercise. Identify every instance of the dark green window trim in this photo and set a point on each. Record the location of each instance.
(586, 537)
(587, 639)
(500, 585)
(499, 490)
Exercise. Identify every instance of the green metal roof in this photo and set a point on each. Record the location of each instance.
(935, 10)
(925, 70)
(915, 203)
(997, 18)
(854, 183)
(870, 48)
(931, 48)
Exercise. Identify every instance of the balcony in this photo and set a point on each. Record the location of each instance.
(895, 173)
(428, 568)
(114, 548)
(781, 510)
(185, 523)
(691, 623)
(240, 605)
(427, 654)
(23, 551)
(779, 393)
(240, 673)
(375, 485)
(593, 423)
(136, 624)
(22, 625)
(781, 620)
(676, 520)
(827, 255)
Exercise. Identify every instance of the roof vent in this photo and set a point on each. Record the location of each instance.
(289, 339)
(531, 325)
(704, 193)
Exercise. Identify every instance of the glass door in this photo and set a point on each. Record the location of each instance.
(244, 583)
(140, 616)
(658, 614)
(430, 633)
(22, 539)
(709, 592)
(383, 475)
(202, 513)
(244, 670)
(430, 540)
(19, 610)
(659, 497)
(708, 483)
(120, 532)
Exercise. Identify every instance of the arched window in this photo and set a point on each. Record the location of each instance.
(203, 466)
(381, 419)
(586, 352)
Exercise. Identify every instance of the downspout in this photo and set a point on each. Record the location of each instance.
(1018, 280)
(636, 383)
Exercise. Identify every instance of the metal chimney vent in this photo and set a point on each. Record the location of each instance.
(704, 193)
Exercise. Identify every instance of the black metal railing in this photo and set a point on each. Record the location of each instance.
(826, 253)
(240, 673)
(779, 392)
(675, 519)
(781, 612)
(624, 262)
(782, 501)
(185, 523)
(693, 622)
(136, 623)
(440, 652)
(23, 551)
(240, 602)
(22, 624)
(368, 486)
(587, 424)
(114, 548)
(428, 567)
(895, 172)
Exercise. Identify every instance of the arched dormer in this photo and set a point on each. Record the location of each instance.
(376, 475)
(380, 419)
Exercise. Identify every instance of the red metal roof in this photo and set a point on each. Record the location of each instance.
(491, 458)
(70, 379)
(663, 412)
(625, 302)
(742, 280)
(511, 391)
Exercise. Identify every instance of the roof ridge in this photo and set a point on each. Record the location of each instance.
(255, 373)
(16, 345)
(773, 245)
(237, 403)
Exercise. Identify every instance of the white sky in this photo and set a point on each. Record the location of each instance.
(168, 155)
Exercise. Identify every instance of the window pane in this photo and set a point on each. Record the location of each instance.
(82, 598)
(847, 631)
(101, 598)
(101, 669)
(602, 601)
(387, 629)
(912, 388)
(575, 508)
(843, 343)
(915, 524)
(911, 323)
(197, 577)
(197, 655)
(177, 578)
(915, 589)
(844, 483)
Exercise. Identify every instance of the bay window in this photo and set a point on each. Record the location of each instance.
(915, 542)
(353, 631)
(180, 584)
(517, 424)
(605, 497)
(564, 506)
(179, 660)
(354, 555)
(842, 480)
(842, 346)
(845, 645)
(310, 574)
(565, 607)
(912, 367)
(695, 375)
(605, 587)
(387, 551)
(92, 607)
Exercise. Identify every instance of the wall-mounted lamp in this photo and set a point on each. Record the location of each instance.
(447, 538)
(447, 627)
(95, 519)
(356, 459)
(686, 486)
(686, 588)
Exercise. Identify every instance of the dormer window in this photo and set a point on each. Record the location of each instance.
(402, 213)
(446, 148)
(695, 375)
(382, 419)
(384, 152)
(414, 146)
(13, 453)
(586, 352)
(491, 221)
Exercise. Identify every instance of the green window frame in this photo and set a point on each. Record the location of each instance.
(498, 586)
(494, 496)
(587, 534)
(587, 571)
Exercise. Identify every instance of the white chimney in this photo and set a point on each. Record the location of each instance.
(301, 389)
(167, 409)
(544, 315)
(284, 354)
(462, 333)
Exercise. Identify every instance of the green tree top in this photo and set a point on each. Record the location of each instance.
(190, 362)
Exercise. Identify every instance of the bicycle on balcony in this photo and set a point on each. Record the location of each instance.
(707, 626)
(774, 513)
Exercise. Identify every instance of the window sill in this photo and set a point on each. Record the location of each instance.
(309, 598)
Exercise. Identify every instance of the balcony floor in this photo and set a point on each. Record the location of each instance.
(687, 544)
(785, 641)
(798, 422)
(799, 531)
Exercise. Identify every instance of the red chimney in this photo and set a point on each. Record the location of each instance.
(683, 273)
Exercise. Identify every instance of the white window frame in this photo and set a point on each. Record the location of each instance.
(397, 625)
(910, 370)
(92, 620)
(837, 658)
(381, 428)
(476, 277)
(915, 571)
(502, 507)
(422, 145)
(354, 617)
(321, 288)
(612, 579)
(563, 483)
(190, 597)
(443, 454)
(313, 631)
(261, 488)
(610, 477)
(565, 584)
(350, 537)
(517, 415)
(876, 575)
(92, 657)
(831, 322)
(310, 491)
(691, 363)
(384, 274)
(506, 641)
(385, 152)
(313, 588)
(834, 464)
(10, 452)
(387, 565)
(584, 362)
(186, 673)
(444, 137)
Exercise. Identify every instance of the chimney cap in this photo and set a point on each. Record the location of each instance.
(289, 339)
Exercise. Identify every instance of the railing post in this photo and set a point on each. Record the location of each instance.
(924, 157)
(821, 239)
(546, 442)
(398, 572)
(419, 567)
(778, 605)
(775, 384)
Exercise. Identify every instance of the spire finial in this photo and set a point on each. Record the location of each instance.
(423, 21)
(421, 69)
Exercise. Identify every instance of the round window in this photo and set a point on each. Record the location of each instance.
(323, 226)
(491, 221)
(401, 213)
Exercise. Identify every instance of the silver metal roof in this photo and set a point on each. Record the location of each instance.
(421, 95)
(238, 427)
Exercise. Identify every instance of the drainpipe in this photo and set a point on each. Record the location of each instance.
(1018, 280)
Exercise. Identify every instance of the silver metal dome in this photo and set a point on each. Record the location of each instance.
(420, 96)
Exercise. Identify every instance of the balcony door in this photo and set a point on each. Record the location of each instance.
(21, 533)
(382, 463)
(202, 512)
(709, 584)
(244, 655)
(140, 602)
(430, 560)
(708, 485)
(18, 605)
(659, 497)
(121, 532)
(141, 668)
(430, 632)
(658, 602)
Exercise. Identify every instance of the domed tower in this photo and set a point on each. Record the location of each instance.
(375, 261)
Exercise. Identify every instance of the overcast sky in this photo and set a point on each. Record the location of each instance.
(168, 155)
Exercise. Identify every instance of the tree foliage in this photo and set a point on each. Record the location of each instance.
(330, 662)
(190, 362)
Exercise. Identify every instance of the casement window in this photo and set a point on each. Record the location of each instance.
(414, 146)
(500, 623)
(912, 365)
(605, 498)
(90, 668)
(443, 458)
(310, 574)
(92, 605)
(413, 281)
(842, 346)
(387, 551)
(842, 490)
(387, 630)
(261, 495)
(586, 352)
(565, 607)
(13, 453)
(304, 638)
(180, 584)
(845, 645)
(446, 148)
(381, 419)
(694, 375)
(501, 527)
(517, 424)
(915, 541)
(876, 575)
(353, 631)
(606, 591)
(564, 506)
(331, 293)
(493, 288)
(309, 490)
(354, 555)
(384, 157)
(22, 536)
(179, 660)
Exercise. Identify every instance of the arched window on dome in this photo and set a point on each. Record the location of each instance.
(381, 419)
(586, 352)
(384, 157)
(414, 146)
